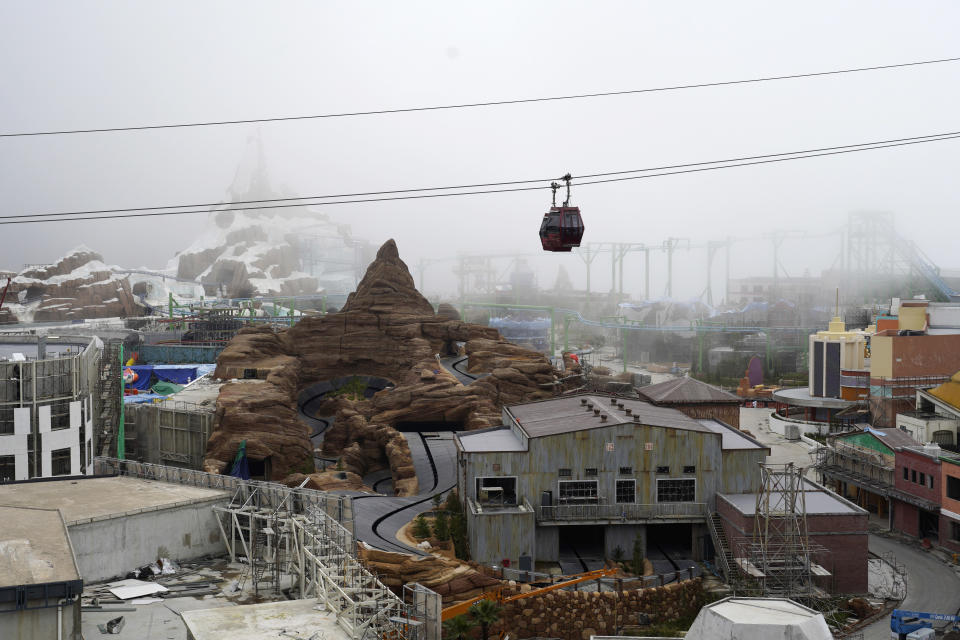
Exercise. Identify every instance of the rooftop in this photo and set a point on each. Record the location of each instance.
(949, 391)
(800, 397)
(892, 437)
(35, 547)
(819, 501)
(686, 391)
(271, 619)
(102, 497)
(731, 438)
(760, 618)
(486, 440)
(567, 414)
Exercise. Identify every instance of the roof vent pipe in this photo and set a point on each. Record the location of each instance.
(603, 418)
(596, 412)
(629, 411)
(636, 419)
(620, 405)
(589, 406)
(583, 401)
(613, 401)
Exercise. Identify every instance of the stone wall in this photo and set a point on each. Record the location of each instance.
(576, 615)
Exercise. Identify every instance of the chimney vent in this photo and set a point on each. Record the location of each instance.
(620, 405)
(603, 418)
(636, 418)
(629, 411)
(583, 401)
(589, 406)
(613, 401)
(596, 412)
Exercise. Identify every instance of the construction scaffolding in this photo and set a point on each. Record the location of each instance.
(890, 396)
(779, 558)
(295, 545)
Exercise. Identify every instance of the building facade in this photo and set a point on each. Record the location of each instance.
(594, 473)
(47, 411)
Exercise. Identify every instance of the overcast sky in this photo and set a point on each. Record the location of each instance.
(100, 64)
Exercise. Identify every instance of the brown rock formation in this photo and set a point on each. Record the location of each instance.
(455, 581)
(77, 286)
(386, 329)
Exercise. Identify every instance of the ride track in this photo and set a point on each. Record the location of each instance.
(370, 512)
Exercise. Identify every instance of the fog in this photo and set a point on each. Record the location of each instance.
(71, 64)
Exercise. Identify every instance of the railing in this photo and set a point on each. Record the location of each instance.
(600, 584)
(663, 510)
(271, 494)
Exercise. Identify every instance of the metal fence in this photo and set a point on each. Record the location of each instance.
(663, 510)
(600, 584)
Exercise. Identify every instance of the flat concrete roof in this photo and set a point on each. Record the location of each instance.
(567, 414)
(502, 439)
(34, 547)
(730, 438)
(104, 497)
(819, 501)
(801, 397)
(258, 621)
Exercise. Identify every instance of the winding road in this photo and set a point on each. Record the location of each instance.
(378, 518)
(932, 586)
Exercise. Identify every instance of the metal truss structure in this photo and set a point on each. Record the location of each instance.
(295, 544)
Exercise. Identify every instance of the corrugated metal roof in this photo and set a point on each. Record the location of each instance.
(686, 390)
(567, 414)
(949, 391)
(489, 440)
(731, 438)
(891, 437)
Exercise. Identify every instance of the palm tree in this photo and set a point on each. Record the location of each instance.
(457, 628)
(485, 613)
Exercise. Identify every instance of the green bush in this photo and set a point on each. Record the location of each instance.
(441, 526)
(421, 528)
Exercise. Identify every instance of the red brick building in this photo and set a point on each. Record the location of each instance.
(835, 524)
(950, 502)
(917, 476)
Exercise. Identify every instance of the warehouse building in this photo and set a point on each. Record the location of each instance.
(589, 473)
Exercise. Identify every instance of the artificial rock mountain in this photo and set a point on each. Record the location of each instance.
(386, 329)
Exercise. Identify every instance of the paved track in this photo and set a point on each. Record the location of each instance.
(932, 586)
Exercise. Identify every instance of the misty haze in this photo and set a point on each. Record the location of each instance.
(427, 320)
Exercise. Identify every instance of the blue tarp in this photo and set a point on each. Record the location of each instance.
(175, 373)
(143, 382)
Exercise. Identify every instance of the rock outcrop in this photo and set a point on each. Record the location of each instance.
(386, 329)
(455, 581)
(77, 286)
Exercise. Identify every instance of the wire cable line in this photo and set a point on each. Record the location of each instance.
(471, 105)
(540, 181)
(51, 217)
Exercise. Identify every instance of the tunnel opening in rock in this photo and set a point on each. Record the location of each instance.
(421, 426)
(355, 387)
(260, 468)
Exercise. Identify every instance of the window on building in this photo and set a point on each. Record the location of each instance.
(663, 469)
(690, 468)
(60, 462)
(913, 475)
(6, 421)
(564, 473)
(923, 478)
(8, 468)
(578, 491)
(590, 471)
(626, 491)
(930, 481)
(955, 531)
(60, 415)
(677, 490)
(497, 490)
(953, 488)
(626, 471)
(906, 473)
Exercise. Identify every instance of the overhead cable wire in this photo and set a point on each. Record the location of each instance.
(540, 181)
(471, 105)
(51, 218)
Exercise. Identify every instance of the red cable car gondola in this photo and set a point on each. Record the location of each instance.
(562, 227)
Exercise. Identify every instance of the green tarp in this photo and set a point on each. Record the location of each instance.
(163, 388)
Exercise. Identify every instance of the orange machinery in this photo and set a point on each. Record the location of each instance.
(497, 594)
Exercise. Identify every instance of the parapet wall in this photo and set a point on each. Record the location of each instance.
(577, 615)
